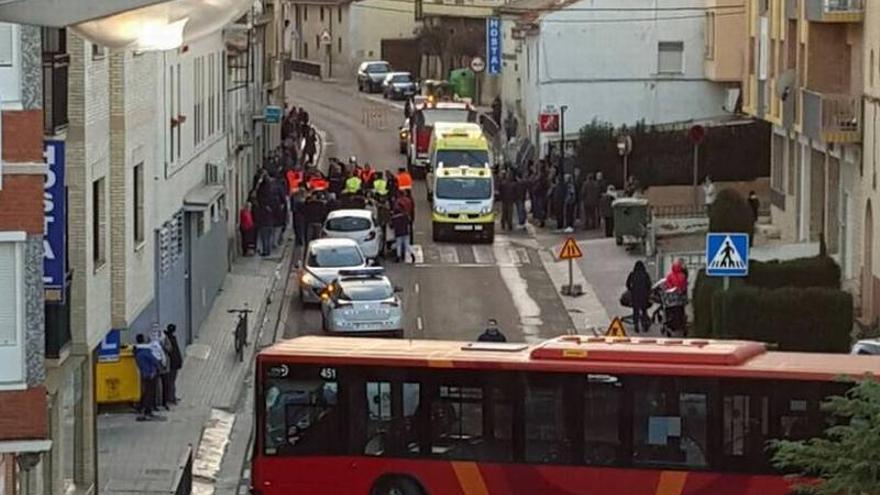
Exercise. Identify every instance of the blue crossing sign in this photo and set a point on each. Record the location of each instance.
(727, 255)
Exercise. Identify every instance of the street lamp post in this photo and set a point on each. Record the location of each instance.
(562, 110)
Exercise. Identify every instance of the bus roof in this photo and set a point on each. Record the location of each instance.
(580, 354)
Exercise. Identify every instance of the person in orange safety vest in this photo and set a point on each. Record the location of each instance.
(294, 179)
(404, 180)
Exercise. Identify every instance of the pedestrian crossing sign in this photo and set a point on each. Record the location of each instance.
(570, 250)
(727, 255)
(616, 329)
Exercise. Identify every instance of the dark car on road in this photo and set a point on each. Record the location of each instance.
(398, 86)
(371, 75)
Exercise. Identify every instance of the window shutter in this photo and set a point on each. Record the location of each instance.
(9, 308)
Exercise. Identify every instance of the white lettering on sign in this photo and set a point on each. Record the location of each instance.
(48, 206)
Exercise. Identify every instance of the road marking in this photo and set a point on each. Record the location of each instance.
(483, 255)
(418, 253)
(419, 324)
(521, 255)
(212, 447)
(449, 254)
(529, 310)
(469, 265)
(416, 288)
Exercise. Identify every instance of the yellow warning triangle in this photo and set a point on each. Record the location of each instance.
(616, 329)
(570, 250)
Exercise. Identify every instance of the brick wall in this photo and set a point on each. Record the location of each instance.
(23, 136)
(21, 203)
(23, 414)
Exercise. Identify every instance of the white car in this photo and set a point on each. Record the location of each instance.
(357, 225)
(323, 259)
(362, 302)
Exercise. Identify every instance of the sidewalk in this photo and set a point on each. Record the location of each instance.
(144, 457)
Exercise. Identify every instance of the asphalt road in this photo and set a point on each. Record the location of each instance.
(453, 289)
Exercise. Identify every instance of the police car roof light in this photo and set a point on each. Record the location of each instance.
(363, 272)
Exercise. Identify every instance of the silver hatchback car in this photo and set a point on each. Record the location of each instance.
(362, 302)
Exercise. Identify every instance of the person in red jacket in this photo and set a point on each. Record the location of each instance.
(248, 230)
(677, 278)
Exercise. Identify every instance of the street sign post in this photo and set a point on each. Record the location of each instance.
(727, 255)
(616, 328)
(548, 121)
(696, 134)
(571, 251)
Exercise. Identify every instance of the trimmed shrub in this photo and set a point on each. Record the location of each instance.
(814, 319)
(818, 271)
(705, 288)
(731, 213)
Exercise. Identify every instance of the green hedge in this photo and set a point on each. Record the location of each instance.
(731, 213)
(814, 319)
(817, 271)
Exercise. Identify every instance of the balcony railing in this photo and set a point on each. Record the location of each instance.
(55, 92)
(832, 118)
(836, 10)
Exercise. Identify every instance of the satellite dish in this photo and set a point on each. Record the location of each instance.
(785, 84)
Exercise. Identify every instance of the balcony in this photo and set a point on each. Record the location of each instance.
(832, 118)
(835, 10)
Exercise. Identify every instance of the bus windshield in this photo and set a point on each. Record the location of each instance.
(463, 188)
(471, 158)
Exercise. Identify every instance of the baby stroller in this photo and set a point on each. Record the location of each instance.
(670, 311)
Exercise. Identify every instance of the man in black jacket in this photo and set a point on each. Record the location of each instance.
(172, 347)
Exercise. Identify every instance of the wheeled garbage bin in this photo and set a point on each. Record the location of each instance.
(631, 217)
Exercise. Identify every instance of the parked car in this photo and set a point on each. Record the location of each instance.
(362, 302)
(323, 259)
(403, 136)
(870, 347)
(398, 86)
(359, 226)
(371, 75)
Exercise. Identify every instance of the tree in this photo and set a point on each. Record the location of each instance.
(847, 460)
(731, 213)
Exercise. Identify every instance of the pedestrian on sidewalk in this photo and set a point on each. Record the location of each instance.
(557, 195)
(297, 205)
(157, 345)
(607, 211)
(755, 205)
(311, 147)
(638, 283)
(263, 219)
(590, 194)
(708, 193)
(172, 347)
(280, 207)
(148, 369)
(507, 195)
(520, 190)
(539, 188)
(570, 201)
(248, 229)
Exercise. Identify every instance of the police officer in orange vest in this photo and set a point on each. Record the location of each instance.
(404, 180)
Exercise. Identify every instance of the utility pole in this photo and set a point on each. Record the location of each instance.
(562, 166)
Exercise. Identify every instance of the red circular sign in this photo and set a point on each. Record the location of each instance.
(697, 133)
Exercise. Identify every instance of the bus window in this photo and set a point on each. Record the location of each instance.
(547, 438)
(457, 423)
(745, 428)
(301, 413)
(602, 410)
(669, 426)
(390, 428)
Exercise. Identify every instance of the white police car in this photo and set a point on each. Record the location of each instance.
(362, 302)
(323, 259)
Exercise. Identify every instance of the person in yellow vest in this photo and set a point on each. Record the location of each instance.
(380, 187)
(352, 184)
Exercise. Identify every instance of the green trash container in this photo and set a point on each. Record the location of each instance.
(464, 82)
(630, 219)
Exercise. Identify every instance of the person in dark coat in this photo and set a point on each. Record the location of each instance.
(314, 213)
(148, 369)
(754, 204)
(496, 110)
(172, 347)
(279, 207)
(405, 202)
(520, 190)
(507, 195)
(539, 188)
(606, 211)
(590, 194)
(310, 148)
(638, 283)
(265, 221)
(401, 224)
(492, 333)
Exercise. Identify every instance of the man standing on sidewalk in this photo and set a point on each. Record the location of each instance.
(148, 368)
(172, 348)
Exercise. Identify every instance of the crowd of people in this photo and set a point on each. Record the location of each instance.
(158, 362)
(292, 191)
(574, 199)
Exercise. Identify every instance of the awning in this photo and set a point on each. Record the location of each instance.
(25, 446)
(164, 26)
(202, 197)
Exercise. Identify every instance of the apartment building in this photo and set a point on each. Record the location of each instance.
(25, 437)
(804, 75)
(340, 34)
(867, 209)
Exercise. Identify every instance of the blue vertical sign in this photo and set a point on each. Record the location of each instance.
(493, 45)
(55, 218)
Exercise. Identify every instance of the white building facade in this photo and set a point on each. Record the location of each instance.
(613, 65)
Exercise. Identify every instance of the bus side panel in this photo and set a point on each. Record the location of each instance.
(356, 475)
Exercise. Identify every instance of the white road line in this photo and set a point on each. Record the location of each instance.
(469, 265)
(521, 255)
(418, 253)
(448, 254)
(529, 310)
(419, 324)
(483, 255)
(416, 288)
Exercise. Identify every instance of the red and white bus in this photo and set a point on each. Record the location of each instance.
(573, 415)
(425, 115)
